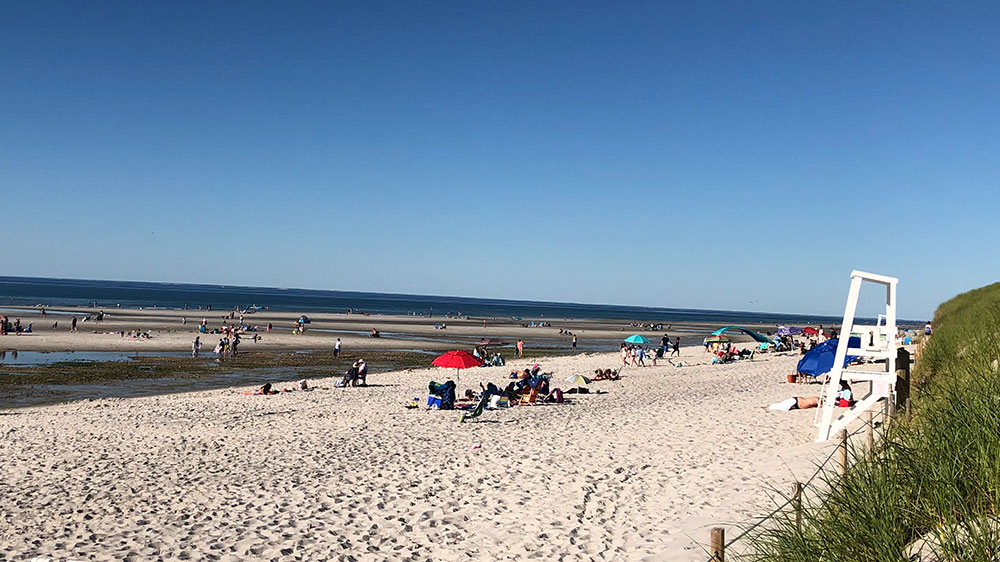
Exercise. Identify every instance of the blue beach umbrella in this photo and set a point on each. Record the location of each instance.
(820, 359)
(637, 338)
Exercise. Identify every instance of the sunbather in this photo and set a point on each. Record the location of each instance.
(795, 403)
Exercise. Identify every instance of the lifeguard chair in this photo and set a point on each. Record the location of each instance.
(877, 342)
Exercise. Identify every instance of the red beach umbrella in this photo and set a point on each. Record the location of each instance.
(810, 331)
(457, 360)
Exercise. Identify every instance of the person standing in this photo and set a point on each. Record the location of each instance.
(196, 346)
(665, 344)
(677, 348)
(520, 348)
(336, 349)
(73, 325)
(574, 341)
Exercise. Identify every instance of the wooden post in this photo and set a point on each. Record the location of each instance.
(842, 449)
(718, 544)
(797, 503)
(902, 376)
(870, 431)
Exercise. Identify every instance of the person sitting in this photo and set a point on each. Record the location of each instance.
(845, 398)
(375, 334)
(362, 375)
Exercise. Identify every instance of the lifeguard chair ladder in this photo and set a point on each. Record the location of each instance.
(884, 335)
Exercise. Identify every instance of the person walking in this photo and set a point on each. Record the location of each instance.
(196, 346)
(520, 348)
(677, 348)
(336, 349)
(73, 325)
(574, 341)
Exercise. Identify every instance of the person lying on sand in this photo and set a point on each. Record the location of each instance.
(264, 390)
(605, 375)
(794, 403)
(844, 399)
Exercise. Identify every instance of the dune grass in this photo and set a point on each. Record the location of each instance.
(931, 490)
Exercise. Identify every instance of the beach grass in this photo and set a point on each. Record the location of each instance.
(931, 489)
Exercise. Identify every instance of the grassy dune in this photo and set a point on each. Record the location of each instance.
(932, 490)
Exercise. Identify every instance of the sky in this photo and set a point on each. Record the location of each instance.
(725, 155)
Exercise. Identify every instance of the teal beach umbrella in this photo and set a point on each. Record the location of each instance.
(636, 338)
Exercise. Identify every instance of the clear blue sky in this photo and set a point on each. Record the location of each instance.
(694, 154)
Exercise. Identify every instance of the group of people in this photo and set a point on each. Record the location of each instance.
(15, 327)
(227, 347)
(7, 326)
(481, 353)
(635, 355)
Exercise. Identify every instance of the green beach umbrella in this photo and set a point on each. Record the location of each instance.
(636, 338)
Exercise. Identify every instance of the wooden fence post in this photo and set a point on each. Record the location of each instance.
(718, 544)
(902, 376)
(842, 450)
(870, 431)
(797, 503)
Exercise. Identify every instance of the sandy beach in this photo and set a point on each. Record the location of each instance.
(638, 470)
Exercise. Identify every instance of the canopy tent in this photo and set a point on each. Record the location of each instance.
(761, 338)
(820, 359)
(789, 330)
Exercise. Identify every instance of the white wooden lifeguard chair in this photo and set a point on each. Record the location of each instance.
(883, 338)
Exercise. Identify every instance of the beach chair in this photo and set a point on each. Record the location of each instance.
(530, 397)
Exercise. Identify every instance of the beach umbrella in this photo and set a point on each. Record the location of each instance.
(636, 338)
(456, 360)
(717, 338)
(789, 331)
(810, 331)
(820, 359)
(578, 380)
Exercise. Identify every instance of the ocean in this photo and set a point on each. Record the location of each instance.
(30, 291)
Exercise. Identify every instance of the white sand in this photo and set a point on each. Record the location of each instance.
(638, 472)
